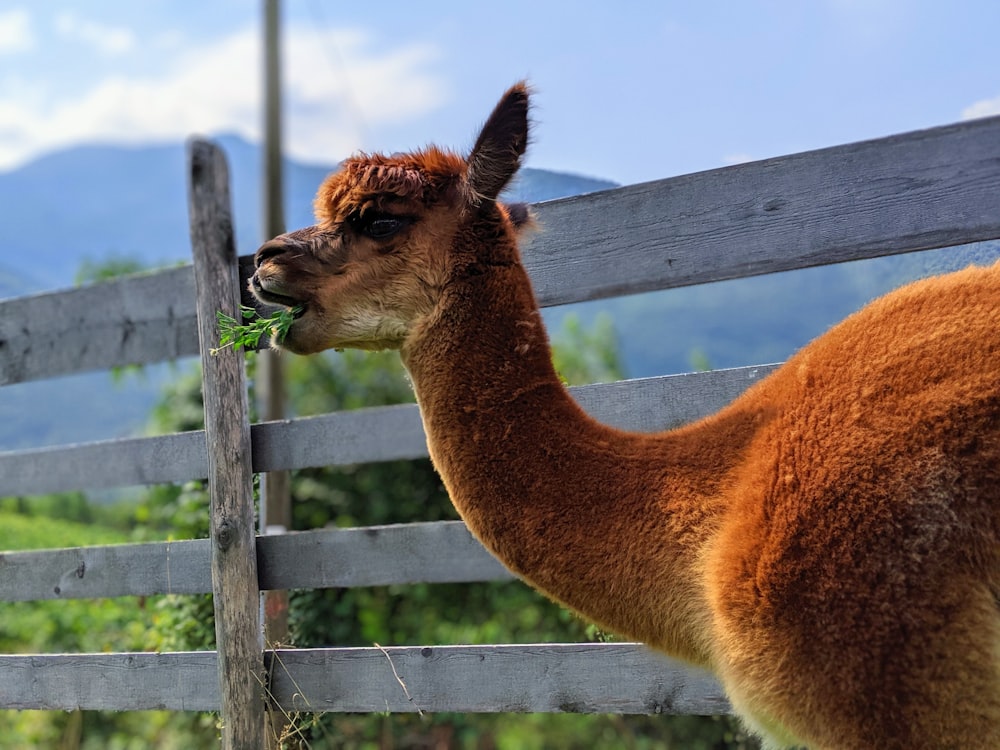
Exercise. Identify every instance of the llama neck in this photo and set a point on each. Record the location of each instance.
(607, 522)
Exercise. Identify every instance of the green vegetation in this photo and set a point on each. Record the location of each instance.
(110, 267)
(63, 625)
(236, 335)
(391, 492)
(31, 529)
(69, 520)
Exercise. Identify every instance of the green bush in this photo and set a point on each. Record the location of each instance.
(82, 625)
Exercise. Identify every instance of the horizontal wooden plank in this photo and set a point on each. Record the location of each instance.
(669, 401)
(916, 191)
(110, 682)
(396, 432)
(578, 678)
(343, 438)
(439, 552)
(932, 188)
(432, 552)
(122, 462)
(134, 320)
(382, 433)
(179, 567)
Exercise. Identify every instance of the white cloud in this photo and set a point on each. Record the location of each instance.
(15, 32)
(336, 89)
(216, 88)
(107, 40)
(982, 108)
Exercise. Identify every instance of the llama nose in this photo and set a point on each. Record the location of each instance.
(270, 249)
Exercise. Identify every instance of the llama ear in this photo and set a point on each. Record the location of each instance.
(501, 144)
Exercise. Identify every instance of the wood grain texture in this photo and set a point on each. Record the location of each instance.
(432, 552)
(351, 437)
(916, 191)
(115, 682)
(180, 567)
(575, 678)
(178, 457)
(133, 320)
(579, 678)
(227, 435)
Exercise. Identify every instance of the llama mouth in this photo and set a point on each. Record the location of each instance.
(282, 300)
(271, 297)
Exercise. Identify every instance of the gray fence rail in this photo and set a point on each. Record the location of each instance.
(383, 433)
(618, 678)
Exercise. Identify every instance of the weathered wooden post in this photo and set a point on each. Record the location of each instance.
(227, 432)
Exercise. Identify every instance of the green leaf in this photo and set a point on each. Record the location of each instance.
(247, 335)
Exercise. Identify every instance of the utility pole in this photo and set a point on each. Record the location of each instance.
(275, 486)
(274, 212)
(275, 506)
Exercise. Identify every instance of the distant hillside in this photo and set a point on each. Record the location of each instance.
(92, 202)
(760, 319)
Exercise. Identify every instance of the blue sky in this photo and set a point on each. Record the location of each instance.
(629, 91)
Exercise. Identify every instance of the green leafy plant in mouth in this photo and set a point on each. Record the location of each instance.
(234, 334)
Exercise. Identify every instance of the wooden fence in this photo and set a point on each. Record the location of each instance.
(928, 189)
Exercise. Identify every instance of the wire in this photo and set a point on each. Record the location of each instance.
(338, 65)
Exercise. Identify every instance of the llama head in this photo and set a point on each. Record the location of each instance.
(390, 233)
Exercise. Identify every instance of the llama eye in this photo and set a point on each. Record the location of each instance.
(380, 226)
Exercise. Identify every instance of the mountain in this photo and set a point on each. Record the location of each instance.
(95, 202)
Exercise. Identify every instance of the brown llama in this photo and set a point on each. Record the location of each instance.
(828, 544)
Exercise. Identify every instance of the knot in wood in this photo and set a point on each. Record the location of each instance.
(225, 535)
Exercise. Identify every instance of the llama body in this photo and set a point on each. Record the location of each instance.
(828, 544)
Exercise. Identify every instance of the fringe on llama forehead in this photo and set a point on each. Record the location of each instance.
(425, 177)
